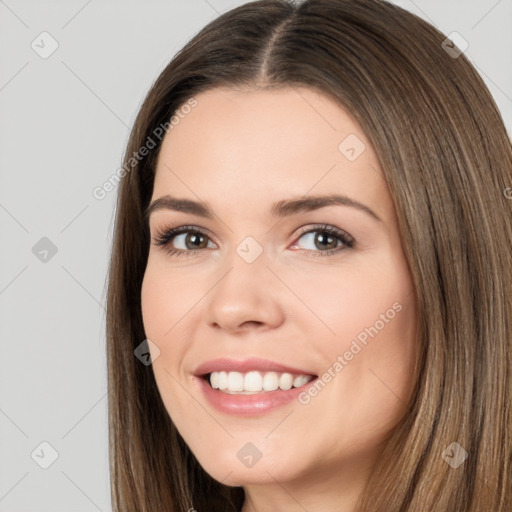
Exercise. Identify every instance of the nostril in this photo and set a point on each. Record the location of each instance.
(250, 323)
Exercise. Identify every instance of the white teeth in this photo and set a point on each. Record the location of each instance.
(255, 382)
(235, 381)
(270, 381)
(286, 381)
(223, 380)
(214, 380)
(300, 380)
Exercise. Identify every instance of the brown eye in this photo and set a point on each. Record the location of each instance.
(195, 240)
(185, 240)
(325, 240)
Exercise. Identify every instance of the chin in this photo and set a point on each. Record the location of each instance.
(245, 466)
(248, 476)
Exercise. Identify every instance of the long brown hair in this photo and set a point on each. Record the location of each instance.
(444, 151)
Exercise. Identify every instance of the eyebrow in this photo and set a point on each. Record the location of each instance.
(283, 208)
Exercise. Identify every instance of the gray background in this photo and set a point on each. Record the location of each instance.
(64, 122)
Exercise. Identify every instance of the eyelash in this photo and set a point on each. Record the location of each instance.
(165, 237)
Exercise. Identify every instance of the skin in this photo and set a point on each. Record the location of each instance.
(241, 151)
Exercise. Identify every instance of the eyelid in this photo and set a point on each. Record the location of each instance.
(164, 237)
(326, 228)
(167, 234)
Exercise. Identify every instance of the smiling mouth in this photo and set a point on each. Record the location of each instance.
(255, 382)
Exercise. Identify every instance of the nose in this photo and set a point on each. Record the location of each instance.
(247, 297)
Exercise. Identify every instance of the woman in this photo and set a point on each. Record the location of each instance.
(375, 377)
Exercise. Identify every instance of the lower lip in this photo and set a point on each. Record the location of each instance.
(249, 405)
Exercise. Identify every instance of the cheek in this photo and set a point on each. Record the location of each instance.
(167, 304)
(154, 301)
(370, 309)
(373, 313)
(165, 298)
(353, 299)
(161, 304)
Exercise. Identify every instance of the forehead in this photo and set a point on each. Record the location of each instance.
(266, 145)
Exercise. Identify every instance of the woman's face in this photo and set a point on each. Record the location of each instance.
(261, 296)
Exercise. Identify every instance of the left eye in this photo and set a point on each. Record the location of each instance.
(187, 240)
(327, 238)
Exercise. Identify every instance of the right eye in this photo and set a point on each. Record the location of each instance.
(190, 238)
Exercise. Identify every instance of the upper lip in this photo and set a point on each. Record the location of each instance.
(245, 365)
